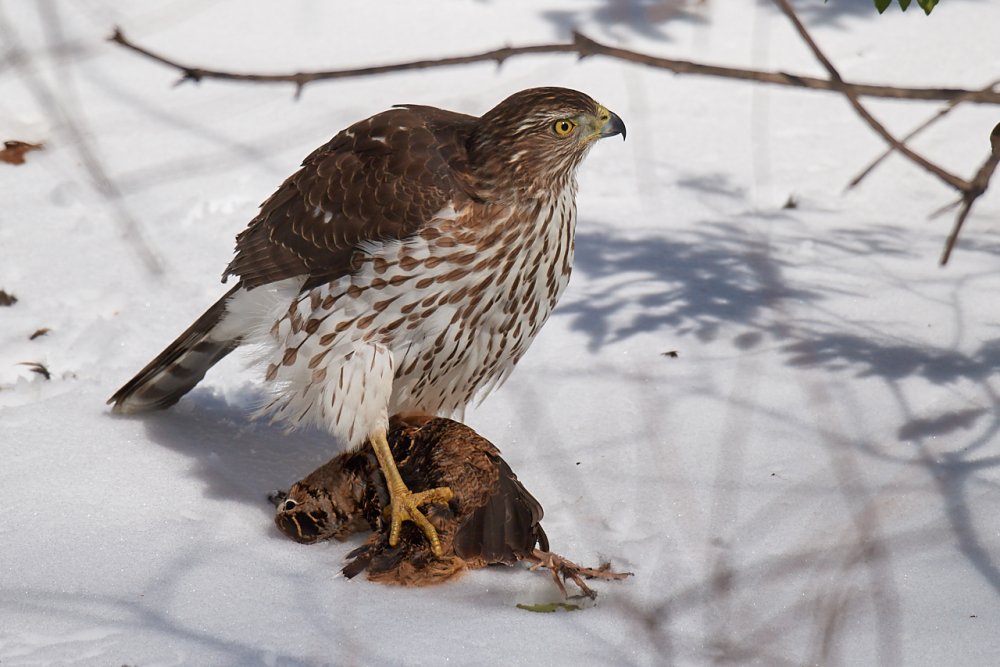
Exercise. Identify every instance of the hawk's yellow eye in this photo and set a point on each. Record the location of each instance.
(563, 127)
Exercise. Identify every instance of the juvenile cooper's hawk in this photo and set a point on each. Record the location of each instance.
(405, 267)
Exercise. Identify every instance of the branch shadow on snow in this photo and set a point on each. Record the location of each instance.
(687, 286)
(696, 288)
(621, 19)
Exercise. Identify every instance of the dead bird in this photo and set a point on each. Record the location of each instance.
(492, 518)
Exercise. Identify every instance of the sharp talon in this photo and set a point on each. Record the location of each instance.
(404, 504)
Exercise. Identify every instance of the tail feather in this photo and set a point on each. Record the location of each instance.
(175, 371)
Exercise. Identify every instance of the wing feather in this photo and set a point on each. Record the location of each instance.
(380, 179)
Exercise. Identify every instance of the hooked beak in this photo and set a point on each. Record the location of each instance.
(612, 126)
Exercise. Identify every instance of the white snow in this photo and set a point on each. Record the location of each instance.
(814, 480)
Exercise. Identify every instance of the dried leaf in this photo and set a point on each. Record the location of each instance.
(13, 151)
(39, 332)
(36, 367)
(7, 299)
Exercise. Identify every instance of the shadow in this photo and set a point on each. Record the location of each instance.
(620, 19)
(867, 357)
(236, 456)
(690, 286)
(944, 424)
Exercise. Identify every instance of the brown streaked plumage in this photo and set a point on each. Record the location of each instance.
(406, 267)
(492, 518)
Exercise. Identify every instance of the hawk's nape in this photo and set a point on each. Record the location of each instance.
(405, 268)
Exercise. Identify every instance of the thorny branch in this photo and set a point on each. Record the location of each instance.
(583, 47)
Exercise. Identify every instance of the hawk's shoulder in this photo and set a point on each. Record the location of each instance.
(380, 179)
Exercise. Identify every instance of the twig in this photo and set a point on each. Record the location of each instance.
(851, 95)
(944, 111)
(976, 188)
(582, 47)
(971, 190)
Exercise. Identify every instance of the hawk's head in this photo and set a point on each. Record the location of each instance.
(540, 134)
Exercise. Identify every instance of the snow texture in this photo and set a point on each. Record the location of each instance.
(813, 479)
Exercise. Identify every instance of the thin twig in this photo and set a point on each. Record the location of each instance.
(976, 188)
(970, 190)
(944, 111)
(851, 95)
(582, 47)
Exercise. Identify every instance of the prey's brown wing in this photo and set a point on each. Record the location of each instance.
(499, 520)
(381, 179)
(506, 527)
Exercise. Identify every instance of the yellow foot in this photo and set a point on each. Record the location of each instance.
(404, 508)
(404, 503)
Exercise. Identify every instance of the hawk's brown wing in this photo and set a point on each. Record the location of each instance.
(380, 179)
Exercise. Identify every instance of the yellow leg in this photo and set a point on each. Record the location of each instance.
(405, 502)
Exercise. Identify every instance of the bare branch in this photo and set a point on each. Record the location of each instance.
(851, 95)
(300, 79)
(582, 47)
(971, 190)
(944, 111)
(976, 188)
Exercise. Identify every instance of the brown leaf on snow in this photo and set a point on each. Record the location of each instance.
(7, 299)
(36, 367)
(13, 151)
(39, 332)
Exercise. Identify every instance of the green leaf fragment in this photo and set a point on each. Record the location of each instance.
(926, 5)
(549, 607)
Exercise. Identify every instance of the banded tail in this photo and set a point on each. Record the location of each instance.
(175, 371)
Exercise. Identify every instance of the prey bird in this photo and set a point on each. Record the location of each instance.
(492, 519)
(403, 269)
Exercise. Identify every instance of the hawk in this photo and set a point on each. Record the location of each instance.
(404, 268)
(491, 519)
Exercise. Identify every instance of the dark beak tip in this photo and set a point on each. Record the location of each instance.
(617, 126)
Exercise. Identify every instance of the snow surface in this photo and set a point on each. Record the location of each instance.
(813, 480)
